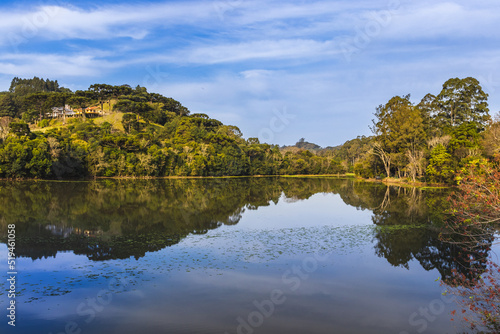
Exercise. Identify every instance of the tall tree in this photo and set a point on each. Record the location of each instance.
(101, 92)
(462, 100)
(7, 105)
(399, 128)
(39, 101)
(428, 111)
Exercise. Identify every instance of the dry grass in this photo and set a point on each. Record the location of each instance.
(115, 119)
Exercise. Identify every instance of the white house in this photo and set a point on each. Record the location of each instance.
(61, 111)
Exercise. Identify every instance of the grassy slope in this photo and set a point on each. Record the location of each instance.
(115, 118)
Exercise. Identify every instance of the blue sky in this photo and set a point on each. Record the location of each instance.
(279, 70)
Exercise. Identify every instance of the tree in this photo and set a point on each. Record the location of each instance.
(491, 138)
(172, 105)
(428, 111)
(39, 101)
(101, 92)
(363, 169)
(462, 100)
(465, 140)
(440, 165)
(19, 129)
(142, 109)
(415, 162)
(23, 87)
(399, 128)
(384, 156)
(129, 122)
(7, 105)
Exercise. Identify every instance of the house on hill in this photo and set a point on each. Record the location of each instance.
(57, 112)
(94, 111)
(61, 111)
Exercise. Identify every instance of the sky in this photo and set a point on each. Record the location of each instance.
(279, 70)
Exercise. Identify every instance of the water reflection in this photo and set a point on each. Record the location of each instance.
(117, 219)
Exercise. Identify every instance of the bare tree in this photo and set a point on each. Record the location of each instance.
(384, 156)
(434, 141)
(415, 163)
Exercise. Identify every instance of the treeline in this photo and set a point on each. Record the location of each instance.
(160, 138)
(430, 141)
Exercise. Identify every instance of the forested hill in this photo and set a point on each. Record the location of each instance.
(48, 131)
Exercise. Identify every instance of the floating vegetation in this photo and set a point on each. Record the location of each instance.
(262, 246)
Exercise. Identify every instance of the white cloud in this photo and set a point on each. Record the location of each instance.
(58, 22)
(450, 20)
(423, 18)
(53, 65)
(253, 12)
(255, 50)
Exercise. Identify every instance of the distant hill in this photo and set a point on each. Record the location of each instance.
(302, 144)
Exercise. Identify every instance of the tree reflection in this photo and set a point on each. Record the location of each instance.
(116, 219)
(410, 222)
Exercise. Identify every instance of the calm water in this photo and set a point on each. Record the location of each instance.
(256, 255)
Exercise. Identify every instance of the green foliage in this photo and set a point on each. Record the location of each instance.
(21, 157)
(362, 169)
(7, 105)
(162, 138)
(32, 100)
(306, 145)
(460, 101)
(22, 87)
(186, 146)
(19, 129)
(399, 129)
(465, 139)
(130, 122)
(440, 168)
(456, 116)
(351, 152)
(366, 167)
(44, 123)
(491, 138)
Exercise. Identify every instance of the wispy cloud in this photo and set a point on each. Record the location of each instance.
(450, 20)
(59, 22)
(262, 49)
(54, 65)
(240, 59)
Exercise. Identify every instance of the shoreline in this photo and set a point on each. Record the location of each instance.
(403, 182)
(87, 179)
(386, 181)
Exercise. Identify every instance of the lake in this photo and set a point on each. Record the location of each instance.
(226, 255)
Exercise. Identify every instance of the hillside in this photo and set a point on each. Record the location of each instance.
(117, 131)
